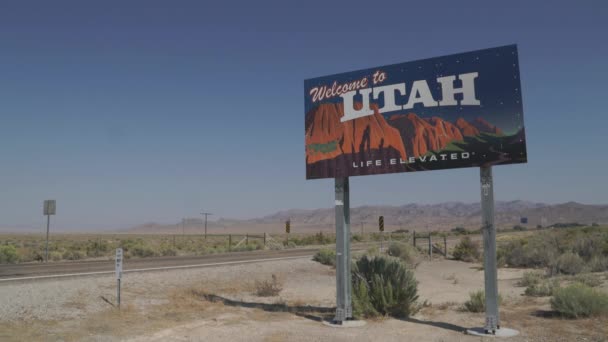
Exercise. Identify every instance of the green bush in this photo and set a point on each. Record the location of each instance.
(405, 252)
(537, 251)
(477, 301)
(467, 250)
(542, 289)
(8, 254)
(589, 246)
(383, 286)
(579, 300)
(569, 263)
(325, 256)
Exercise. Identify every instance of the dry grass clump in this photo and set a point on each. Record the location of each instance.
(269, 288)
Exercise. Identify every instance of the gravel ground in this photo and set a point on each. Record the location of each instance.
(159, 306)
(70, 298)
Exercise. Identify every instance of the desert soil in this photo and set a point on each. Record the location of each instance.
(171, 306)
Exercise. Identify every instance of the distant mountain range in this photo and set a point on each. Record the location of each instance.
(420, 217)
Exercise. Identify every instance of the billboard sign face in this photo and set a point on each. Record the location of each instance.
(455, 111)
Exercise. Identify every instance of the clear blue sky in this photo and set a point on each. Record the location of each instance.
(136, 111)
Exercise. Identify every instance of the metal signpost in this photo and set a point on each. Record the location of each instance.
(447, 112)
(489, 250)
(344, 309)
(49, 208)
(118, 274)
(206, 214)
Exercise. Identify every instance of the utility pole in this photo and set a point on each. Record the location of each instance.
(206, 214)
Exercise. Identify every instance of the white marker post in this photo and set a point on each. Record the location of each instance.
(118, 273)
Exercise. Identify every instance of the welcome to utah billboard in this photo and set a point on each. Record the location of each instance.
(447, 112)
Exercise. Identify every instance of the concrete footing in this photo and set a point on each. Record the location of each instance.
(345, 324)
(502, 332)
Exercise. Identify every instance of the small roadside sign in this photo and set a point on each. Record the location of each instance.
(49, 207)
(118, 263)
(381, 223)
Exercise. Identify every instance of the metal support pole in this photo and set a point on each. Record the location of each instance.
(343, 273)
(489, 248)
(264, 239)
(48, 223)
(445, 246)
(414, 238)
(206, 214)
(118, 292)
(430, 247)
(229, 242)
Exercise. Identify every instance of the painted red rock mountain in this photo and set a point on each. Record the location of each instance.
(327, 137)
(406, 135)
(484, 126)
(422, 135)
(466, 128)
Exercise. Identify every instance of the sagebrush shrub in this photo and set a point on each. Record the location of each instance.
(325, 256)
(598, 264)
(579, 300)
(542, 289)
(8, 254)
(530, 278)
(405, 252)
(467, 250)
(589, 279)
(477, 301)
(383, 286)
(569, 263)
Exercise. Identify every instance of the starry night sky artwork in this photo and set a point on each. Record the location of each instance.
(422, 137)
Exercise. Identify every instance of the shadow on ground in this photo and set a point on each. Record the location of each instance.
(442, 325)
(315, 313)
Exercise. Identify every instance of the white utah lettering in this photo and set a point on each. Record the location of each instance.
(419, 94)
